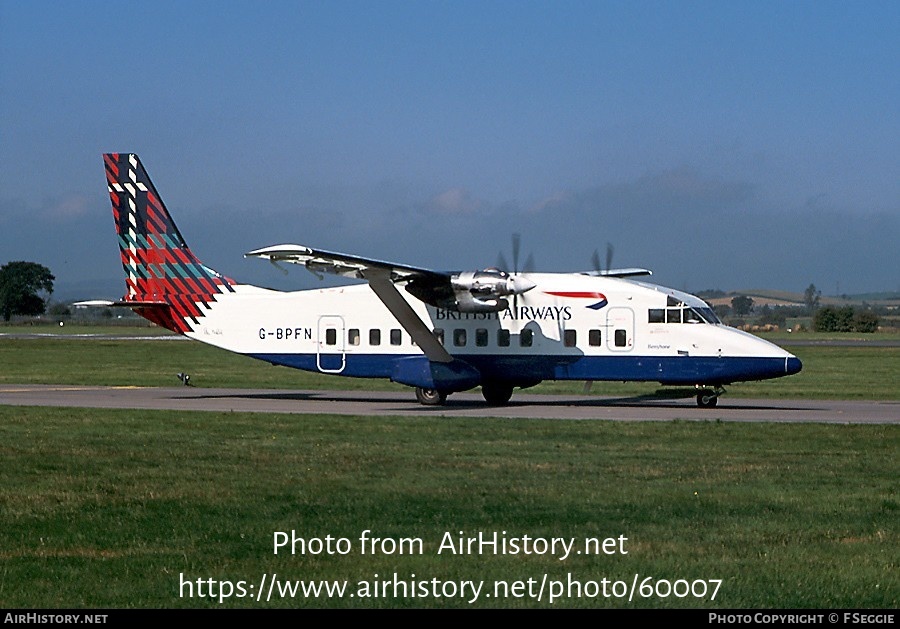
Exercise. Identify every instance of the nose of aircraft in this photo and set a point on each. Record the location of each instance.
(792, 365)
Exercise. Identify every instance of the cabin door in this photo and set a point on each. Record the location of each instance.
(620, 329)
(330, 357)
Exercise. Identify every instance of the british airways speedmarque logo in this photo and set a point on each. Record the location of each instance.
(583, 295)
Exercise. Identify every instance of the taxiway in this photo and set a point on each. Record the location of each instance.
(468, 405)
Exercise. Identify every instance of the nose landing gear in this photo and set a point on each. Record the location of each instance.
(709, 397)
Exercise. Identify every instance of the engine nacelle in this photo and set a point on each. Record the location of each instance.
(482, 283)
(467, 302)
(471, 291)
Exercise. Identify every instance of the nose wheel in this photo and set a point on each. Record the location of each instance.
(708, 398)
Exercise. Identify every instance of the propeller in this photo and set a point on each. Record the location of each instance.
(504, 266)
(595, 259)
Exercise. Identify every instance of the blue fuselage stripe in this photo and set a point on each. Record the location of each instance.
(686, 370)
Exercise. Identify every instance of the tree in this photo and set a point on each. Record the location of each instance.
(865, 321)
(834, 319)
(21, 286)
(811, 298)
(845, 319)
(741, 305)
(59, 310)
(772, 316)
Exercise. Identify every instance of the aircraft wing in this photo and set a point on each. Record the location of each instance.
(425, 284)
(634, 272)
(321, 261)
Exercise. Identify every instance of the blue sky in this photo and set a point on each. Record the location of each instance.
(728, 145)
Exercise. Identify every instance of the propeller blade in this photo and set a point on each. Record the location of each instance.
(528, 268)
(501, 263)
(516, 241)
(595, 261)
(609, 254)
(529, 264)
(587, 386)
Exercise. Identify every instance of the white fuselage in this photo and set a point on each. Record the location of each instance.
(570, 326)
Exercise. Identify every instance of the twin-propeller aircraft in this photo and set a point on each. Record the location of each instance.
(437, 331)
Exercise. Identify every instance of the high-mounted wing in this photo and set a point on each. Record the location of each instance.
(321, 261)
(472, 291)
(631, 272)
(381, 277)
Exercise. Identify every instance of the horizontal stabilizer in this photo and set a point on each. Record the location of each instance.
(105, 303)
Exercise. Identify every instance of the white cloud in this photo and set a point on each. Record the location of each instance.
(71, 206)
(454, 201)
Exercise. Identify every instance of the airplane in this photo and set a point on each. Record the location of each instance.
(439, 332)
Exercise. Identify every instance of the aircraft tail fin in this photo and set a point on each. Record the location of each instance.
(165, 282)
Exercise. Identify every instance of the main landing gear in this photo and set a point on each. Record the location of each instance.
(495, 394)
(708, 398)
(430, 397)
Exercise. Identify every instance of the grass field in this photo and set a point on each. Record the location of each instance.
(113, 509)
(116, 509)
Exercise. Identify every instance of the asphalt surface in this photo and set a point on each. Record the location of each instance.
(466, 405)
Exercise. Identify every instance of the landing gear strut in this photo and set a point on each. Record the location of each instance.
(430, 397)
(496, 393)
(707, 398)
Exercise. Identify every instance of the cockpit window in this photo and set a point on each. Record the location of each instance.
(692, 316)
(685, 314)
(708, 315)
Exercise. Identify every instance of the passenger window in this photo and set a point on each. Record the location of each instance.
(673, 315)
(503, 338)
(570, 338)
(621, 338)
(459, 337)
(481, 337)
(396, 337)
(656, 315)
(526, 338)
(330, 336)
(374, 337)
(439, 335)
(594, 338)
(353, 336)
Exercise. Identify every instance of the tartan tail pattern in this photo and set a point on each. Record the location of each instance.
(164, 280)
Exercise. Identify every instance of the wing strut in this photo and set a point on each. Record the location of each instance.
(384, 288)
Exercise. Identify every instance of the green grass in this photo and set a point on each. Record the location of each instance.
(106, 509)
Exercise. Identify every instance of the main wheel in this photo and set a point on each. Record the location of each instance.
(430, 397)
(707, 399)
(496, 393)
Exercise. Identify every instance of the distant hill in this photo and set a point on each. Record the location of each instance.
(763, 297)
